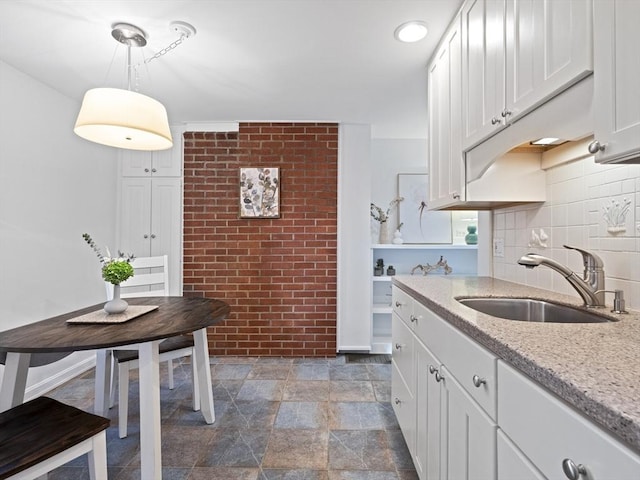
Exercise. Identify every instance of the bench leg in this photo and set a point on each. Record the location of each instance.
(98, 457)
(123, 399)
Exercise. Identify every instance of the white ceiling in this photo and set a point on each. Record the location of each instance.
(326, 60)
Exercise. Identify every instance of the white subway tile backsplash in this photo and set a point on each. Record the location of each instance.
(577, 192)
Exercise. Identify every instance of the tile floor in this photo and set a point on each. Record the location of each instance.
(276, 419)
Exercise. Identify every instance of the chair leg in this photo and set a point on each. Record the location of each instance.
(170, 368)
(113, 383)
(98, 457)
(195, 390)
(123, 398)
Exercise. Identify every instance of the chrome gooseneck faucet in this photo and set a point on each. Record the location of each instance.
(590, 287)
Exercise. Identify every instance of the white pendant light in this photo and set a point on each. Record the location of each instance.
(123, 118)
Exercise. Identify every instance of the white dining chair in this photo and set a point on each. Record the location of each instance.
(150, 279)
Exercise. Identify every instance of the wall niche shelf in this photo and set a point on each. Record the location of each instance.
(463, 259)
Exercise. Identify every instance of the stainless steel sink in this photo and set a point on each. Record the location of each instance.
(529, 310)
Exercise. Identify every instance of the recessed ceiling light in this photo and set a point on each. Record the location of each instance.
(410, 32)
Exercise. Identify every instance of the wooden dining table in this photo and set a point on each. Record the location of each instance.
(173, 316)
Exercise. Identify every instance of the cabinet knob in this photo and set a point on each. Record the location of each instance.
(153, 170)
(439, 377)
(478, 382)
(595, 147)
(153, 235)
(495, 121)
(505, 113)
(145, 236)
(432, 369)
(456, 196)
(573, 471)
(398, 304)
(399, 346)
(397, 401)
(146, 170)
(413, 318)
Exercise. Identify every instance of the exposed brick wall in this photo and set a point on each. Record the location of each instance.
(278, 275)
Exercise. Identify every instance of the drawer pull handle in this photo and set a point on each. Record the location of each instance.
(478, 382)
(397, 401)
(439, 377)
(399, 346)
(413, 318)
(573, 471)
(432, 369)
(398, 304)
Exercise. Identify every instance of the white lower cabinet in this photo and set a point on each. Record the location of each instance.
(541, 436)
(452, 435)
(458, 424)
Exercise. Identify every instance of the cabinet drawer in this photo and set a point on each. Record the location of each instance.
(402, 350)
(547, 431)
(402, 304)
(404, 406)
(464, 358)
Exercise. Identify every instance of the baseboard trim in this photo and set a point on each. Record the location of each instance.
(59, 378)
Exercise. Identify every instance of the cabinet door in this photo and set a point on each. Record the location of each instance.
(428, 416)
(135, 216)
(512, 463)
(166, 226)
(470, 436)
(548, 48)
(617, 66)
(446, 173)
(151, 221)
(483, 73)
(161, 163)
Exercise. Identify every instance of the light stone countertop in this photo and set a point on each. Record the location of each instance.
(594, 367)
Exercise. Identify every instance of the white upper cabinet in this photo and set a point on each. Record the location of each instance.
(446, 179)
(517, 54)
(616, 92)
(161, 163)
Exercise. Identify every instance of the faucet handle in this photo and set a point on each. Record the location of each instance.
(590, 260)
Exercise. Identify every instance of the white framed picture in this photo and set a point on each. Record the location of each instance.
(420, 225)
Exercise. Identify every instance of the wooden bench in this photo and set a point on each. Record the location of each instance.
(43, 434)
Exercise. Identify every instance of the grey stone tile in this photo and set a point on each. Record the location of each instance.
(399, 451)
(348, 371)
(261, 390)
(269, 372)
(361, 475)
(223, 473)
(302, 415)
(361, 416)
(275, 361)
(237, 360)
(297, 449)
(249, 415)
(310, 372)
(226, 389)
(311, 390)
(271, 474)
(224, 371)
(233, 448)
(379, 371)
(359, 450)
(351, 391)
(183, 446)
(382, 390)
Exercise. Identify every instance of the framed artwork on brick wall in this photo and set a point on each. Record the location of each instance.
(259, 192)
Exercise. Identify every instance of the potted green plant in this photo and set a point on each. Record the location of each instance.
(115, 270)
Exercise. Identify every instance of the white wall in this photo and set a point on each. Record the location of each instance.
(54, 186)
(577, 194)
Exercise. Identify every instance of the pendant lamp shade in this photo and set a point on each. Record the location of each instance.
(123, 119)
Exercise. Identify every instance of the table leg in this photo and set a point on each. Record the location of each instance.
(150, 431)
(201, 351)
(14, 380)
(104, 360)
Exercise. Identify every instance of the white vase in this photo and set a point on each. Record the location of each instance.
(115, 305)
(384, 233)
